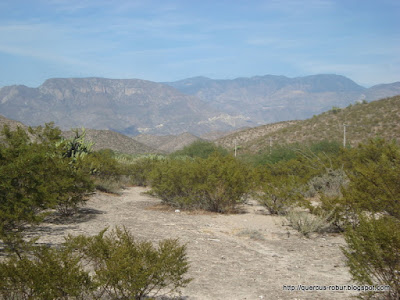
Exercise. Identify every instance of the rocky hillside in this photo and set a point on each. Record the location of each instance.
(128, 106)
(362, 121)
(270, 99)
(11, 123)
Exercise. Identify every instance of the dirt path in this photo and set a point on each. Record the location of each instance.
(243, 256)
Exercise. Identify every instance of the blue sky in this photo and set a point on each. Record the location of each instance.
(172, 40)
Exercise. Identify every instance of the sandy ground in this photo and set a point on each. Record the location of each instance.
(239, 256)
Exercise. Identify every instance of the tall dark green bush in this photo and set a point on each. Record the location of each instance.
(217, 183)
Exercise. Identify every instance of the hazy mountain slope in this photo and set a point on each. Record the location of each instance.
(153, 141)
(268, 99)
(382, 91)
(11, 123)
(108, 139)
(129, 106)
(363, 121)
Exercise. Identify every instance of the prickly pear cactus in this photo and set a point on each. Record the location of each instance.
(77, 147)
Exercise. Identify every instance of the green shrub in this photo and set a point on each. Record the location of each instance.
(44, 274)
(217, 183)
(102, 165)
(327, 147)
(202, 149)
(371, 207)
(139, 171)
(335, 110)
(34, 176)
(373, 253)
(128, 269)
(113, 266)
(273, 156)
(72, 184)
(106, 172)
(374, 173)
(296, 151)
(279, 193)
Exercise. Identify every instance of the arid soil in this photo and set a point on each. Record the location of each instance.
(250, 255)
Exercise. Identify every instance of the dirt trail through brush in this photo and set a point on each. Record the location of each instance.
(242, 256)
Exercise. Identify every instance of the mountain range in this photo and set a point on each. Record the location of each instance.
(362, 121)
(269, 99)
(197, 105)
(129, 106)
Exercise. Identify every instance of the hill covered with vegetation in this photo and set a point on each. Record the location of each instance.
(361, 122)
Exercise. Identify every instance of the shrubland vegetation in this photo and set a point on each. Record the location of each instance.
(42, 174)
(319, 187)
(216, 183)
(201, 149)
(114, 266)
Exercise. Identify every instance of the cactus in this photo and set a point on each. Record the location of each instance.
(77, 147)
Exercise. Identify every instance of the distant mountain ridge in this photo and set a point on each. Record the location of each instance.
(196, 105)
(269, 99)
(129, 106)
